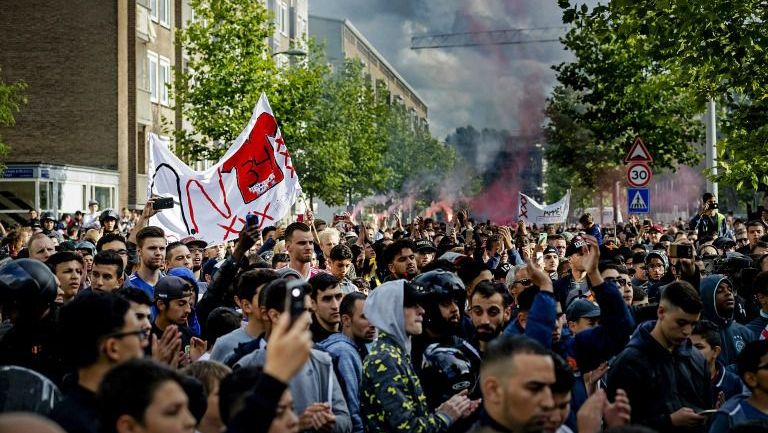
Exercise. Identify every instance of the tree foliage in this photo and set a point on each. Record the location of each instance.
(12, 98)
(612, 92)
(229, 67)
(346, 138)
(713, 49)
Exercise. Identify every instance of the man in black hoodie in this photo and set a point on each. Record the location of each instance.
(666, 381)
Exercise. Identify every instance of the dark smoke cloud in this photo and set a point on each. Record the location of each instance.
(480, 86)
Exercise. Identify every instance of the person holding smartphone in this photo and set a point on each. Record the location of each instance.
(708, 221)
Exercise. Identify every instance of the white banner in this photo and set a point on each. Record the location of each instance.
(535, 213)
(255, 176)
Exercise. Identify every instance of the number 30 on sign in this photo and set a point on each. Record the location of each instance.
(639, 174)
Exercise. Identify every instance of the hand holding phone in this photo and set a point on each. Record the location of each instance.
(159, 203)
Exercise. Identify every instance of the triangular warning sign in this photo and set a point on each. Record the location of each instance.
(638, 152)
(638, 202)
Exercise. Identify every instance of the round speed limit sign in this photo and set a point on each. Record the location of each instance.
(639, 174)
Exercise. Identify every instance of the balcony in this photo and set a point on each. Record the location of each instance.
(143, 107)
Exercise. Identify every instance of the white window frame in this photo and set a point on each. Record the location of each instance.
(163, 79)
(165, 21)
(283, 18)
(153, 10)
(152, 58)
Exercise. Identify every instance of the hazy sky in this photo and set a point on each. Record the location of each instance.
(500, 87)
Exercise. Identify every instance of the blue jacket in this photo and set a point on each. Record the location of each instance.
(595, 232)
(728, 383)
(734, 335)
(541, 320)
(594, 346)
(730, 414)
(349, 369)
(758, 324)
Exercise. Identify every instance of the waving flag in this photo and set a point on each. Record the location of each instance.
(255, 176)
(535, 213)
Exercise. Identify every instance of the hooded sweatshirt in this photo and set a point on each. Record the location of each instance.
(349, 369)
(659, 382)
(392, 399)
(734, 335)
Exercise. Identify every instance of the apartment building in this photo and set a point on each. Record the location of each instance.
(343, 40)
(97, 73)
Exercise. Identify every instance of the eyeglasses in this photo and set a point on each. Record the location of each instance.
(525, 282)
(139, 333)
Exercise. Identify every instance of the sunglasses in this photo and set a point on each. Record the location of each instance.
(525, 282)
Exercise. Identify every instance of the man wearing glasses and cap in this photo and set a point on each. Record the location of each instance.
(197, 249)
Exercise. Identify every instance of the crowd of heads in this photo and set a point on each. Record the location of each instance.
(515, 327)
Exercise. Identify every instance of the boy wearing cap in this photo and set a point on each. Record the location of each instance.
(551, 261)
(425, 252)
(92, 215)
(582, 315)
(172, 300)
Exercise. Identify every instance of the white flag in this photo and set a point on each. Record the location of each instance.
(255, 176)
(535, 213)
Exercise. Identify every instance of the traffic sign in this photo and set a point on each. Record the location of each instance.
(639, 174)
(638, 152)
(639, 200)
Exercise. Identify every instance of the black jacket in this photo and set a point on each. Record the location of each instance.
(659, 382)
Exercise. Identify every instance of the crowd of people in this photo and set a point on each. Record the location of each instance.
(423, 326)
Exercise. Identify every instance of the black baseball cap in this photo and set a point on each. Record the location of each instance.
(550, 250)
(425, 246)
(577, 243)
(414, 294)
(171, 287)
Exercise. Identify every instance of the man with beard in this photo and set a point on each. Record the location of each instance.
(719, 299)
(392, 398)
(172, 299)
(516, 379)
(326, 296)
(551, 262)
(197, 249)
(300, 246)
(425, 253)
(400, 259)
(151, 245)
(489, 309)
(445, 363)
(347, 349)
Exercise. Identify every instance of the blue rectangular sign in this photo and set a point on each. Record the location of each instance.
(639, 200)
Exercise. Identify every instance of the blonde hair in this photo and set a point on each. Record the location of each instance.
(209, 373)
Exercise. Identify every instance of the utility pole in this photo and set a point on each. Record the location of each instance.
(711, 150)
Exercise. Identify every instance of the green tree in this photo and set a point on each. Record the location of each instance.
(305, 106)
(12, 97)
(610, 93)
(229, 67)
(713, 49)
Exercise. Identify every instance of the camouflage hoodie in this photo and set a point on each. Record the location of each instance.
(392, 397)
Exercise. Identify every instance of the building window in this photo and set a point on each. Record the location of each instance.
(283, 19)
(164, 12)
(153, 9)
(163, 79)
(152, 60)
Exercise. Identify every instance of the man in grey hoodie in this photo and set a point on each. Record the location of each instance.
(719, 298)
(392, 399)
(317, 395)
(347, 349)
